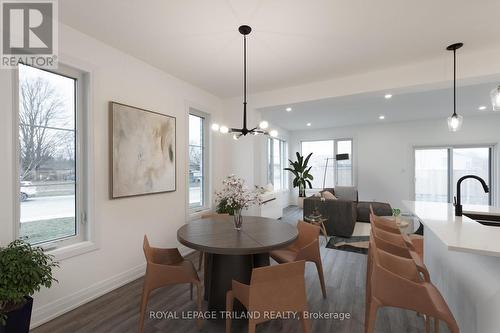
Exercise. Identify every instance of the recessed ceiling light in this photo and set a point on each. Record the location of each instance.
(482, 107)
(288, 109)
(388, 96)
(381, 117)
(308, 124)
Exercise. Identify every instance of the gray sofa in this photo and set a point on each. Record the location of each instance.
(345, 211)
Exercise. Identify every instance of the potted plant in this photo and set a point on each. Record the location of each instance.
(234, 197)
(23, 270)
(302, 178)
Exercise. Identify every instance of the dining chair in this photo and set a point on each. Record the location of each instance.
(306, 247)
(395, 281)
(164, 267)
(278, 289)
(201, 255)
(414, 241)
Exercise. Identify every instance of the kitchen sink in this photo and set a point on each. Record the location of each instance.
(490, 220)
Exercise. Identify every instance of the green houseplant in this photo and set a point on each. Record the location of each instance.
(23, 271)
(301, 171)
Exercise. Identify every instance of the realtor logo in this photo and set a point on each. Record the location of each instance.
(29, 33)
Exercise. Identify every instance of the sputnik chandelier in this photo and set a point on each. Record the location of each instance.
(263, 125)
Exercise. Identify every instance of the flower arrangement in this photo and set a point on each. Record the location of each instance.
(234, 197)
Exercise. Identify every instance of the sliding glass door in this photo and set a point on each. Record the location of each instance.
(437, 171)
(472, 161)
(431, 175)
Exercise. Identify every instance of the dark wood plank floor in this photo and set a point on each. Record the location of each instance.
(118, 311)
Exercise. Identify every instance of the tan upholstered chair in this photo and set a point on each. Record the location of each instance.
(164, 267)
(395, 281)
(416, 242)
(306, 247)
(398, 245)
(278, 288)
(201, 255)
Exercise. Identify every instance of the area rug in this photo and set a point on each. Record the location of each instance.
(357, 244)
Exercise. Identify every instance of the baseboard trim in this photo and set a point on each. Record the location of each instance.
(52, 310)
(47, 312)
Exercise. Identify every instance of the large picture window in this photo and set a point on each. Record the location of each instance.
(437, 171)
(197, 160)
(326, 170)
(276, 162)
(50, 175)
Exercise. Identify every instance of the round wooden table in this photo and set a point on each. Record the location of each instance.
(232, 254)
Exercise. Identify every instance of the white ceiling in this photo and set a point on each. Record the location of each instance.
(293, 42)
(365, 108)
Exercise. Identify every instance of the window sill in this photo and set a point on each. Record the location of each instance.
(195, 215)
(73, 250)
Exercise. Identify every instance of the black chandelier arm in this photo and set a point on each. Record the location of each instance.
(258, 131)
(245, 81)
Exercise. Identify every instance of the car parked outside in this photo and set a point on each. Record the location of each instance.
(27, 190)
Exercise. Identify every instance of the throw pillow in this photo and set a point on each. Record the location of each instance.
(328, 195)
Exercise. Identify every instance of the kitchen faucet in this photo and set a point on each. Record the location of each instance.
(458, 198)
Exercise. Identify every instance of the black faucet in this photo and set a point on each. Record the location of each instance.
(458, 198)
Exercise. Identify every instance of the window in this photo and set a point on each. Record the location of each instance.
(437, 171)
(326, 170)
(343, 169)
(197, 160)
(276, 162)
(51, 176)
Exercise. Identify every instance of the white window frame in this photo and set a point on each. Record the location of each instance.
(85, 239)
(284, 163)
(335, 140)
(451, 187)
(205, 162)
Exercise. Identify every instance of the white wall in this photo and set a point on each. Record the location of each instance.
(435, 72)
(383, 153)
(121, 224)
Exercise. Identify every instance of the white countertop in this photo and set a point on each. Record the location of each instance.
(459, 233)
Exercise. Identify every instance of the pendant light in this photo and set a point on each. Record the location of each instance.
(455, 121)
(263, 125)
(495, 98)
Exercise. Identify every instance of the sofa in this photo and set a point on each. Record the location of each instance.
(344, 211)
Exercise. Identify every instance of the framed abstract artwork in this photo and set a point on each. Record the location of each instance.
(143, 151)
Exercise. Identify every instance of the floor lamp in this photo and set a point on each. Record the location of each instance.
(338, 157)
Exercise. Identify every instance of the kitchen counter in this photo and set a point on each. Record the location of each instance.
(463, 259)
(459, 233)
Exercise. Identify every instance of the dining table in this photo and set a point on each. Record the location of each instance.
(231, 254)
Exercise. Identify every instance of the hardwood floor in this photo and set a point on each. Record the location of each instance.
(118, 311)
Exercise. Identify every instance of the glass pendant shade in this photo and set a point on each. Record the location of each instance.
(495, 98)
(455, 122)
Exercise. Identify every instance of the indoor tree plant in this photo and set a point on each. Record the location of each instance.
(234, 197)
(23, 270)
(301, 171)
